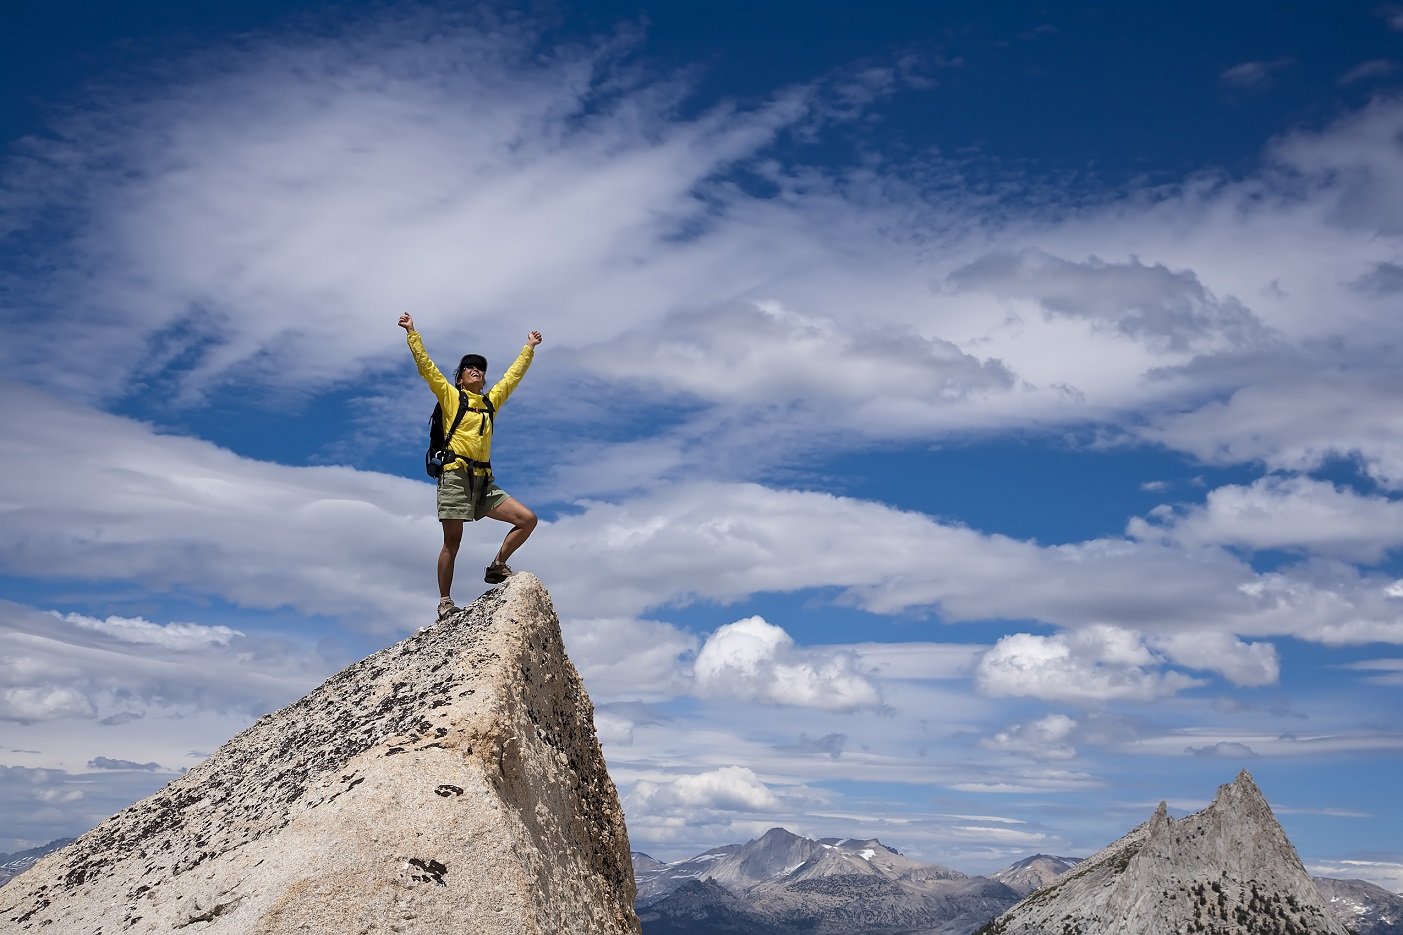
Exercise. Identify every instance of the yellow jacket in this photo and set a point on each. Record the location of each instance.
(474, 436)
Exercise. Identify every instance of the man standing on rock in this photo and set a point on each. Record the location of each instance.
(466, 488)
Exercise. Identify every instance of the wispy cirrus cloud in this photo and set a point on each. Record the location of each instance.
(1254, 75)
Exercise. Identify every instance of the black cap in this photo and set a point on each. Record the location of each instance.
(472, 360)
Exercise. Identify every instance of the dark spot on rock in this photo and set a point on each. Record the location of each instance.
(446, 790)
(393, 750)
(433, 870)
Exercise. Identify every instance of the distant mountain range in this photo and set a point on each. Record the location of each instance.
(1158, 878)
(1363, 907)
(784, 884)
(12, 865)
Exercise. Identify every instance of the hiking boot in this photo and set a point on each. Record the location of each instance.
(445, 607)
(497, 572)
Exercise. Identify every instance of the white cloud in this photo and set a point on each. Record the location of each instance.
(628, 658)
(1373, 68)
(730, 788)
(1380, 671)
(1254, 75)
(299, 197)
(1285, 512)
(755, 660)
(1047, 738)
(1170, 311)
(356, 545)
(1197, 741)
(54, 667)
(1242, 663)
(181, 513)
(1387, 874)
(1032, 780)
(1094, 665)
(42, 702)
(177, 636)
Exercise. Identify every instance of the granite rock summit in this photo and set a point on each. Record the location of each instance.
(1227, 870)
(450, 783)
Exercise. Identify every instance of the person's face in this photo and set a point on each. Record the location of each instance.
(472, 379)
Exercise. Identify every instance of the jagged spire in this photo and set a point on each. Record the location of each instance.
(1224, 869)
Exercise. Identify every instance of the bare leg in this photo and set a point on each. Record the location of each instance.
(452, 538)
(523, 521)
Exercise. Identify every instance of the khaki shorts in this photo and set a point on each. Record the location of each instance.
(458, 489)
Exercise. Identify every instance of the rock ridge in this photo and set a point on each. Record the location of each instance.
(451, 782)
(1226, 870)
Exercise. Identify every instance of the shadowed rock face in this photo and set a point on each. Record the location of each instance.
(450, 783)
(1227, 870)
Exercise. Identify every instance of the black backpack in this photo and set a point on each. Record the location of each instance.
(438, 453)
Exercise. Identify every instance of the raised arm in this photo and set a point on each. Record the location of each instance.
(445, 392)
(504, 387)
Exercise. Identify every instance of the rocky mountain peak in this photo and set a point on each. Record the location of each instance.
(1227, 870)
(1033, 873)
(450, 783)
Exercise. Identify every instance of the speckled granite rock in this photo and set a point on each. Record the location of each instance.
(1227, 870)
(451, 783)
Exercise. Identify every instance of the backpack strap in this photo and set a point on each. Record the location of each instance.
(489, 413)
(457, 419)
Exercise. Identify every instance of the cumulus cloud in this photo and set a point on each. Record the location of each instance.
(730, 788)
(1098, 664)
(1242, 663)
(41, 702)
(753, 660)
(1047, 738)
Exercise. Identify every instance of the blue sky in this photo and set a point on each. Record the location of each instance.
(964, 428)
